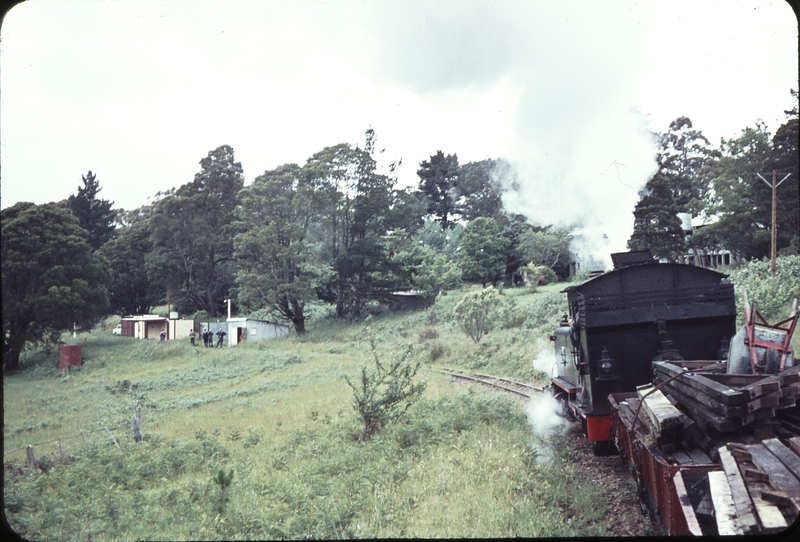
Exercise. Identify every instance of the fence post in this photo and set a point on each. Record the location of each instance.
(29, 454)
(112, 438)
(137, 435)
(85, 446)
(139, 413)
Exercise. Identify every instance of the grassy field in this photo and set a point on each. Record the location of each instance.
(278, 415)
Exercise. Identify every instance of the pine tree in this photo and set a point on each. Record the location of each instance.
(94, 214)
(656, 225)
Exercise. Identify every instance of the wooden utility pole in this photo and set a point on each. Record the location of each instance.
(774, 216)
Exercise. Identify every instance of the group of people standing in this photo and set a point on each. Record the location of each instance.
(208, 338)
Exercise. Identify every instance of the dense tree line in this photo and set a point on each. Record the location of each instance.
(722, 186)
(339, 229)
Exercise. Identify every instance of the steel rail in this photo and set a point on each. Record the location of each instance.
(488, 380)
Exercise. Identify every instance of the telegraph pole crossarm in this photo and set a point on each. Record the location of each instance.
(774, 186)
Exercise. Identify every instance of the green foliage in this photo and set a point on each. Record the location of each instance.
(743, 201)
(538, 274)
(476, 312)
(427, 270)
(438, 179)
(482, 255)
(94, 214)
(275, 214)
(51, 279)
(479, 188)
(431, 235)
(223, 480)
(459, 463)
(385, 392)
(773, 294)
(132, 289)
(356, 211)
(686, 161)
(656, 226)
(547, 248)
(192, 230)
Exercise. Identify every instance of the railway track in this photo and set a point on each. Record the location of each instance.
(507, 385)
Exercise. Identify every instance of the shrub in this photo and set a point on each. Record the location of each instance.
(437, 351)
(476, 312)
(774, 294)
(383, 391)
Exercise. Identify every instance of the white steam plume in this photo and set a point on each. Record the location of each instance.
(580, 145)
(542, 408)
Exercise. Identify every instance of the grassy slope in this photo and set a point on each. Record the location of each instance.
(278, 414)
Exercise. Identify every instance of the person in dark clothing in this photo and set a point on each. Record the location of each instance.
(192, 335)
(221, 334)
(205, 338)
(163, 336)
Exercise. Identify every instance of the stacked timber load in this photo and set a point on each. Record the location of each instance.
(720, 403)
(758, 489)
(656, 418)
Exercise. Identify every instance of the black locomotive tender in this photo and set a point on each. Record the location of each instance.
(621, 321)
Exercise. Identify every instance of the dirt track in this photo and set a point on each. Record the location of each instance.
(619, 488)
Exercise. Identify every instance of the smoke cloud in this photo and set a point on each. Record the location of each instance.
(580, 146)
(542, 408)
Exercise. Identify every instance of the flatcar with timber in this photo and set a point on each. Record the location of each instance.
(622, 321)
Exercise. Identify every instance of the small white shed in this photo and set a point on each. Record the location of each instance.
(248, 329)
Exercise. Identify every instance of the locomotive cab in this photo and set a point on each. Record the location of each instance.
(621, 321)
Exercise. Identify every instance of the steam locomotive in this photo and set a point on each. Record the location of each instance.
(621, 321)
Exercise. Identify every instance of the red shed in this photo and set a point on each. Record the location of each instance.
(70, 355)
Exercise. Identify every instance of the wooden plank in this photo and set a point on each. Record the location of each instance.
(725, 394)
(794, 444)
(780, 477)
(786, 456)
(767, 385)
(727, 411)
(741, 498)
(791, 390)
(724, 509)
(686, 505)
(701, 364)
(737, 380)
(665, 417)
(682, 458)
(769, 515)
(699, 457)
(790, 375)
(755, 474)
(703, 415)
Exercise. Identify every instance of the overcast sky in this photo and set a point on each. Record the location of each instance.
(139, 92)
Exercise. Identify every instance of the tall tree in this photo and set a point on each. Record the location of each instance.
(482, 255)
(276, 213)
(131, 290)
(656, 226)
(439, 182)
(687, 160)
(94, 214)
(479, 191)
(785, 160)
(547, 246)
(741, 202)
(432, 236)
(357, 201)
(193, 231)
(51, 278)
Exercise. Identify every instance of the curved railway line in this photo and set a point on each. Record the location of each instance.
(508, 385)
